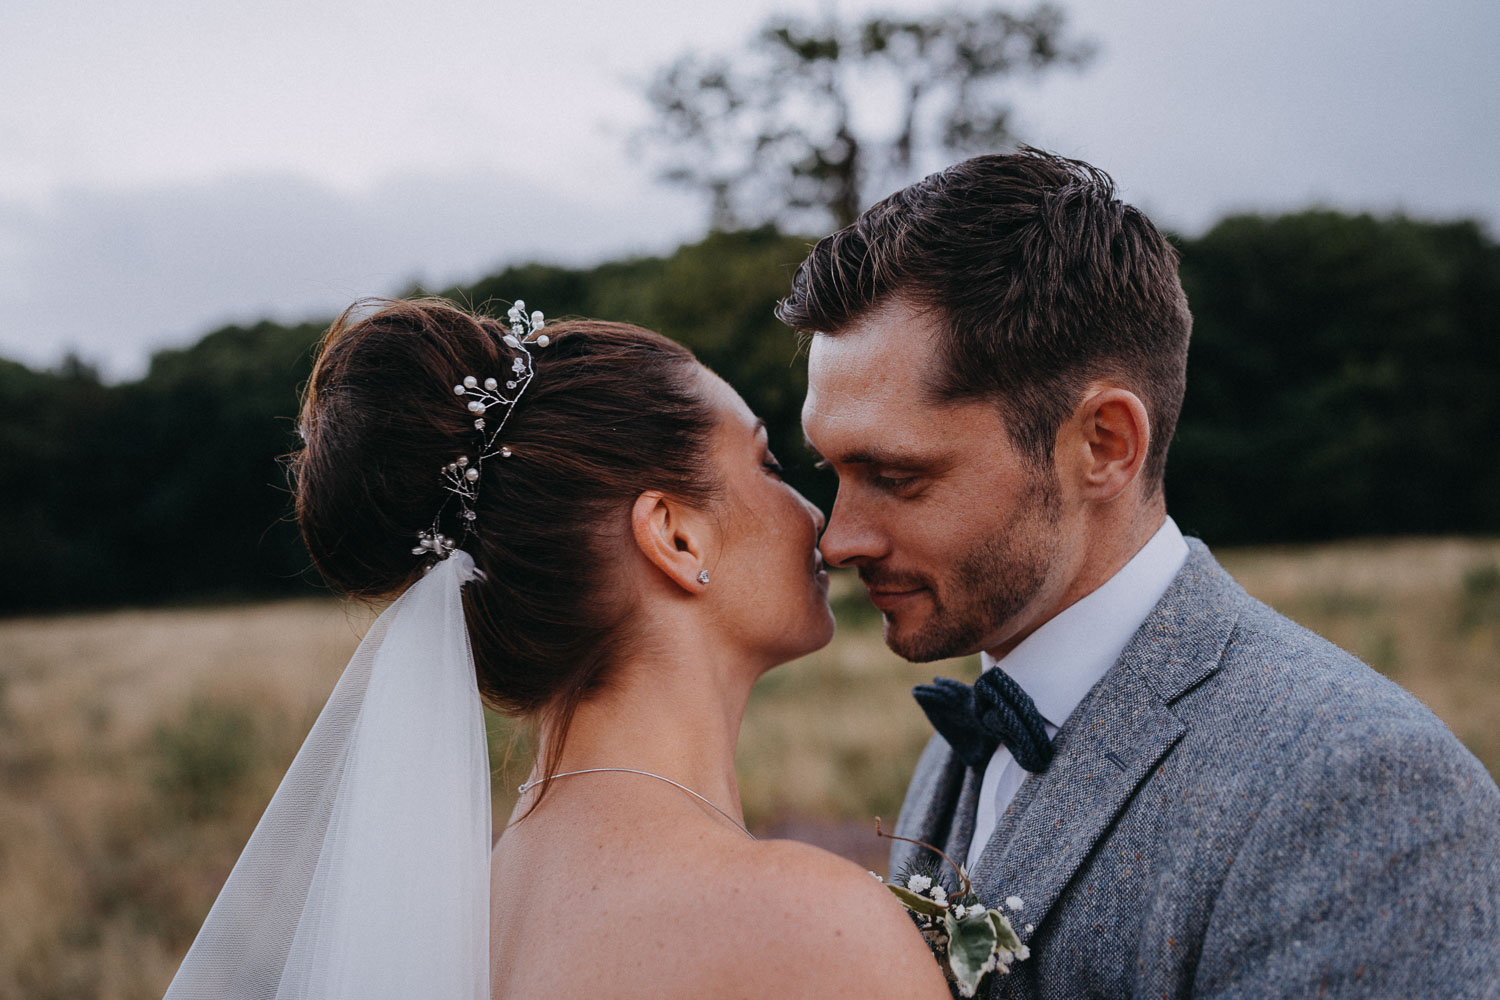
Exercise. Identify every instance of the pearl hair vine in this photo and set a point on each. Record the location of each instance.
(461, 477)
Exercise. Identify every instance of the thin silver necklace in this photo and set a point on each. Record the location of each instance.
(630, 770)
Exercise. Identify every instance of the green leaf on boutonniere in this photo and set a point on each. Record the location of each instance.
(971, 948)
(969, 939)
(916, 903)
(1005, 934)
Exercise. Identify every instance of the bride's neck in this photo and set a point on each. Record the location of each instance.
(675, 710)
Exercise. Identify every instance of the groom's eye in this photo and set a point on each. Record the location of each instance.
(892, 484)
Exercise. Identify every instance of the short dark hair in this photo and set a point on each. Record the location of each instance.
(1043, 278)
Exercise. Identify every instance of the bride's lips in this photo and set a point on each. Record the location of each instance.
(889, 600)
(819, 573)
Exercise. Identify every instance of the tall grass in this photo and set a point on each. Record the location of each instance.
(138, 748)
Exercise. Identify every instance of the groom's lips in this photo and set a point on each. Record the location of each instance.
(887, 599)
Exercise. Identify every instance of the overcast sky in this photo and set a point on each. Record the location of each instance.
(168, 167)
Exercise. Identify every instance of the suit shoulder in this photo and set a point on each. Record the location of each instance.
(1393, 750)
(1293, 671)
(1283, 694)
(1260, 630)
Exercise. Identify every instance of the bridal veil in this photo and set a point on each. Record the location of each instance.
(368, 875)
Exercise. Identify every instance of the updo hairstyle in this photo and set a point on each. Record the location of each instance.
(613, 410)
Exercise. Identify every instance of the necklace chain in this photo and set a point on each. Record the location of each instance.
(630, 770)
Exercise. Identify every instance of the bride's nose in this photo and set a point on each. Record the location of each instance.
(817, 514)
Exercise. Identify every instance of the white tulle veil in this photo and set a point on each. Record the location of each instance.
(368, 875)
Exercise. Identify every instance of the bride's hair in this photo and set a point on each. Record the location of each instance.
(613, 410)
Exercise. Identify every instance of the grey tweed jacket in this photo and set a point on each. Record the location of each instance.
(1237, 809)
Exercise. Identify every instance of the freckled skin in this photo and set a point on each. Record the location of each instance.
(769, 602)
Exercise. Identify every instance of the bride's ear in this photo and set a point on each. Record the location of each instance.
(672, 537)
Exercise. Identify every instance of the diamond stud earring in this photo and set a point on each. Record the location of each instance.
(703, 576)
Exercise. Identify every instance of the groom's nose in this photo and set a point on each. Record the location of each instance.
(850, 539)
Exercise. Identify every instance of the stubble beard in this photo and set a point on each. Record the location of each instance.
(990, 585)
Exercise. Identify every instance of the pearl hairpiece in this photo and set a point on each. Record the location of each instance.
(461, 476)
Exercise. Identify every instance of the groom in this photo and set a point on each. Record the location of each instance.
(1193, 796)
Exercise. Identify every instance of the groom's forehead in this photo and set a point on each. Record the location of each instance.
(849, 391)
(882, 365)
(868, 403)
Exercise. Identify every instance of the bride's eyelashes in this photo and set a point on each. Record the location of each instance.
(772, 466)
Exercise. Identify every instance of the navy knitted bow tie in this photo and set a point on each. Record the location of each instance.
(975, 720)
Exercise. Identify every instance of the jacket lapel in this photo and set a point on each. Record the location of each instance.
(1110, 744)
(1107, 749)
(964, 815)
(939, 807)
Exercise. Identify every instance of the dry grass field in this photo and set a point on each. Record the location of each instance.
(137, 748)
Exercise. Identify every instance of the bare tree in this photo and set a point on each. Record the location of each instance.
(801, 125)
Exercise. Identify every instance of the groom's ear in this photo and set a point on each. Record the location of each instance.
(1116, 434)
(672, 537)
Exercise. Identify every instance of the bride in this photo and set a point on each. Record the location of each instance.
(586, 528)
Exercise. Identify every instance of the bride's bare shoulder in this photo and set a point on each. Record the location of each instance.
(695, 913)
(809, 923)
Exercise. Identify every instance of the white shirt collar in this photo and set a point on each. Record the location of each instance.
(1061, 661)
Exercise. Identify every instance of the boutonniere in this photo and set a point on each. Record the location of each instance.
(969, 939)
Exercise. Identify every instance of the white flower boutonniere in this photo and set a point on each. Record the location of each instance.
(969, 939)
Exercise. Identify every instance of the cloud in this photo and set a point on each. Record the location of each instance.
(111, 275)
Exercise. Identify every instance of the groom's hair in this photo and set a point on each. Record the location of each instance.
(1043, 278)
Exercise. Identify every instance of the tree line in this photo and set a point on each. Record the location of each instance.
(1341, 383)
